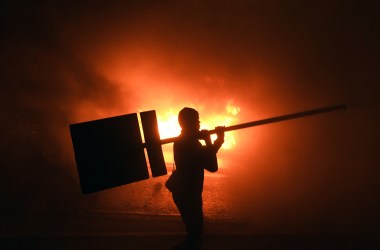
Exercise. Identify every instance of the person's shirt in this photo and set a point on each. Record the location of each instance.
(191, 158)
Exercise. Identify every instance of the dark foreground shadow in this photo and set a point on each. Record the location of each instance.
(211, 242)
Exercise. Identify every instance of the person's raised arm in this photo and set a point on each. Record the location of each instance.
(220, 140)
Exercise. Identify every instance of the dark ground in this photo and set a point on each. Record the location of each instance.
(212, 241)
(153, 232)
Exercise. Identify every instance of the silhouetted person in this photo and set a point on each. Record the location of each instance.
(191, 158)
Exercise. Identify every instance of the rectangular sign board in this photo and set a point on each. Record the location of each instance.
(109, 152)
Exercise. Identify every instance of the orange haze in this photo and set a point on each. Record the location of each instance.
(169, 127)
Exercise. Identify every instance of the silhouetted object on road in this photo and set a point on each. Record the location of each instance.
(191, 158)
(110, 152)
(103, 150)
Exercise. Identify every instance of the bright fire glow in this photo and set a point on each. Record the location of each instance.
(168, 123)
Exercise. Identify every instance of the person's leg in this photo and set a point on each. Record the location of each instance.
(191, 212)
(195, 220)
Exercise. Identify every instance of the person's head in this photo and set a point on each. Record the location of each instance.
(188, 119)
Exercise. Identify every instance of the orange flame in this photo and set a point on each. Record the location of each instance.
(168, 124)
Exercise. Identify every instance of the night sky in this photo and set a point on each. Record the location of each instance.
(64, 62)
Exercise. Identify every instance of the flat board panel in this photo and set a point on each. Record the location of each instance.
(109, 152)
(152, 142)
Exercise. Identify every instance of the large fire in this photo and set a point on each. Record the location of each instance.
(169, 127)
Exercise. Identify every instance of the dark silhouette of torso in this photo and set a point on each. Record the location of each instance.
(191, 158)
(186, 184)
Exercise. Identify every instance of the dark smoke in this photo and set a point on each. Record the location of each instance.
(44, 83)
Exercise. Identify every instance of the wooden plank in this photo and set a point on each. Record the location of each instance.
(271, 120)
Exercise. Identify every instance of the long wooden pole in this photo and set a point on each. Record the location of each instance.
(272, 120)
